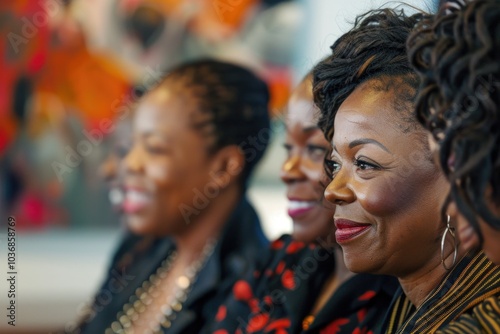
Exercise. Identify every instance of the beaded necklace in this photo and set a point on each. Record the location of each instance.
(150, 289)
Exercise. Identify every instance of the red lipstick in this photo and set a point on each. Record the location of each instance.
(348, 230)
(297, 207)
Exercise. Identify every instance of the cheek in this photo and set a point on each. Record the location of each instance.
(165, 173)
(385, 196)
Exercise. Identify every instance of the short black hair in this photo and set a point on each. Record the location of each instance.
(375, 48)
(236, 101)
(457, 56)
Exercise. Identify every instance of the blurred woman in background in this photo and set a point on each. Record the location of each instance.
(185, 179)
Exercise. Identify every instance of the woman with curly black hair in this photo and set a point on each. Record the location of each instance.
(387, 189)
(457, 57)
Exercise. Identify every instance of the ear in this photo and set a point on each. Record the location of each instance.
(227, 165)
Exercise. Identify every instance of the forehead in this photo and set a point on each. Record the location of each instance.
(302, 111)
(368, 109)
(164, 107)
(381, 101)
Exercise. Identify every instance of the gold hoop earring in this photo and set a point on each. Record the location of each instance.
(451, 230)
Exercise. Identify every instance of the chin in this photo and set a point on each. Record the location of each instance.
(359, 265)
(303, 233)
(303, 237)
(139, 226)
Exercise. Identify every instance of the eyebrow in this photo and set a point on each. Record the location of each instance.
(363, 141)
(310, 128)
(306, 128)
(152, 133)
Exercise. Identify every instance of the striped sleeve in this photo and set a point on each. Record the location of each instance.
(485, 318)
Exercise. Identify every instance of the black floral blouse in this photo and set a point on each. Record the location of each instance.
(277, 299)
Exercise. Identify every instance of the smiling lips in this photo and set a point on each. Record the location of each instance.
(297, 207)
(135, 200)
(347, 229)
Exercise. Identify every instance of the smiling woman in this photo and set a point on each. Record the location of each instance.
(387, 189)
(184, 180)
(303, 171)
(305, 286)
(385, 184)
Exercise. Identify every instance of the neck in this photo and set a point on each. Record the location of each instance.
(417, 286)
(331, 285)
(207, 225)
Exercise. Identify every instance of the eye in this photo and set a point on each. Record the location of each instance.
(155, 149)
(331, 167)
(122, 150)
(363, 165)
(316, 152)
(156, 145)
(288, 149)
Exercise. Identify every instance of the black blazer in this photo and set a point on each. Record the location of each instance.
(238, 252)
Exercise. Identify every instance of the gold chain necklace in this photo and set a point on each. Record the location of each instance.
(150, 289)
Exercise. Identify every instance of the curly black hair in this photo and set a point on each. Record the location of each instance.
(375, 48)
(235, 102)
(457, 55)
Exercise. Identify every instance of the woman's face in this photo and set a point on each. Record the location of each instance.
(110, 169)
(387, 189)
(167, 170)
(303, 171)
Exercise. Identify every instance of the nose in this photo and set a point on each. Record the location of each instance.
(340, 191)
(133, 161)
(292, 169)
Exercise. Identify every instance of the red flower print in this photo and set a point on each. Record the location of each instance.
(288, 279)
(280, 267)
(254, 305)
(221, 313)
(367, 295)
(361, 314)
(294, 246)
(257, 322)
(277, 244)
(334, 327)
(220, 331)
(242, 291)
(278, 325)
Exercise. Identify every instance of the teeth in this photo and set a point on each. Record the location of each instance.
(136, 196)
(300, 204)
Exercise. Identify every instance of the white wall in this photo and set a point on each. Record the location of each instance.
(327, 20)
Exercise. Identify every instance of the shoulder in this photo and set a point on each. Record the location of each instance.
(483, 318)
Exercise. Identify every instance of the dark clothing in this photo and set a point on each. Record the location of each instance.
(278, 298)
(473, 282)
(237, 252)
